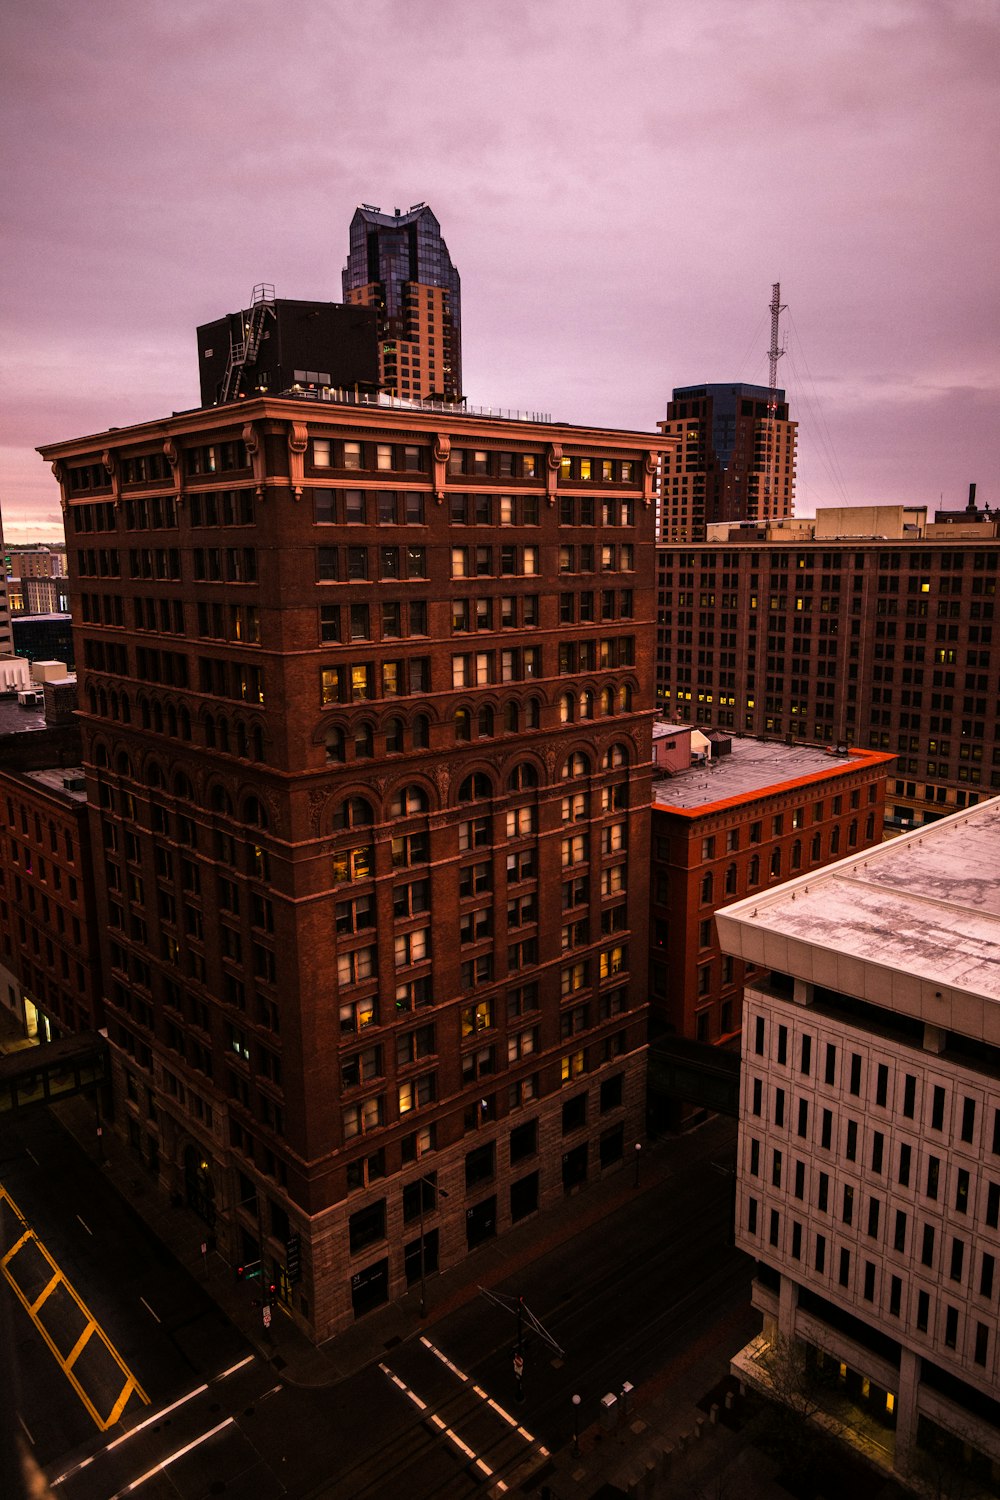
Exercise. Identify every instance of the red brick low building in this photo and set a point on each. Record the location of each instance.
(743, 815)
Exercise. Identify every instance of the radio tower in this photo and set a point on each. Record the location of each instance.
(773, 354)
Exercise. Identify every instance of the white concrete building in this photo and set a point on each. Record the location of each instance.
(868, 1182)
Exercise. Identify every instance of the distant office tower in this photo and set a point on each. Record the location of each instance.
(866, 627)
(279, 342)
(735, 460)
(399, 265)
(366, 700)
(6, 638)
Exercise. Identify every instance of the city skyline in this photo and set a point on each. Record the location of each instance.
(619, 192)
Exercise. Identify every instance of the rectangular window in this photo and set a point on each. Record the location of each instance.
(937, 1108)
(881, 1085)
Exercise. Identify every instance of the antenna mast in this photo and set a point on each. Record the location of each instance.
(773, 354)
(776, 351)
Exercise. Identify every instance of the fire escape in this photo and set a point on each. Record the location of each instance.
(243, 352)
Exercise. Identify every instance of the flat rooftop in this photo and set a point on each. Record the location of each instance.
(15, 720)
(752, 768)
(54, 780)
(913, 925)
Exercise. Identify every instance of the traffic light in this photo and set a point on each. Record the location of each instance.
(272, 1292)
(241, 1272)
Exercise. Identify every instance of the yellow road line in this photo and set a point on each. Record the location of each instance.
(77, 1348)
(48, 1289)
(131, 1385)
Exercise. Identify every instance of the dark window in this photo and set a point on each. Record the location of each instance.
(574, 1113)
(869, 1287)
(899, 1234)
(909, 1095)
(524, 1140)
(968, 1118)
(367, 1225)
(923, 1310)
(806, 1062)
(844, 1276)
(895, 1296)
(480, 1164)
(878, 1144)
(957, 1259)
(831, 1062)
(882, 1085)
(937, 1108)
(855, 1073)
(927, 1246)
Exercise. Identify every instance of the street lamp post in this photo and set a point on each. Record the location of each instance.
(638, 1159)
(576, 1426)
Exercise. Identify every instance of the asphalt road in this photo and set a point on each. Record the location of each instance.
(439, 1419)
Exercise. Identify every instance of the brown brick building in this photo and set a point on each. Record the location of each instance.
(366, 706)
(749, 817)
(880, 641)
(734, 459)
(49, 960)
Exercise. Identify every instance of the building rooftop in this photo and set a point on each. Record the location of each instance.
(913, 925)
(15, 720)
(752, 768)
(55, 779)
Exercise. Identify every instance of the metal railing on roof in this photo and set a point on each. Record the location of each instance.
(405, 403)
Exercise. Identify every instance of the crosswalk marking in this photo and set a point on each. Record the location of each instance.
(8, 1264)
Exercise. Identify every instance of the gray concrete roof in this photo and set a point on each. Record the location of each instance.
(913, 925)
(753, 766)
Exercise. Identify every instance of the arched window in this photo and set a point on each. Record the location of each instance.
(158, 719)
(102, 703)
(576, 764)
(221, 801)
(475, 787)
(511, 717)
(335, 745)
(797, 855)
(607, 700)
(154, 776)
(183, 788)
(241, 739)
(463, 724)
(393, 736)
(257, 743)
(567, 708)
(730, 880)
(92, 700)
(408, 800)
(222, 729)
(586, 704)
(485, 722)
(185, 722)
(615, 756)
(101, 755)
(126, 709)
(123, 765)
(707, 888)
(522, 777)
(775, 862)
(753, 877)
(532, 713)
(363, 742)
(114, 704)
(255, 813)
(353, 812)
(210, 740)
(625, 697)
(144, 717)
(421, 732)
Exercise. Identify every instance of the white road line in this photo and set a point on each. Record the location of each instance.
(31, 1153)
(433, 1417)
(86, 1226)
(233, 1368)
(483, 1395)
(26, 1432)
(157, 1416)
(443, 1358)
(173, 1457)
(146, 1305)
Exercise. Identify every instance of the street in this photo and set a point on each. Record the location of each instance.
(436, 1415)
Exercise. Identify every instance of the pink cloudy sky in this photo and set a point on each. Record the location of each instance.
(619, 184)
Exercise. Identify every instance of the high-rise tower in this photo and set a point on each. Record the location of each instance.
(735, 460)
(365, 700)
(399, 264)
